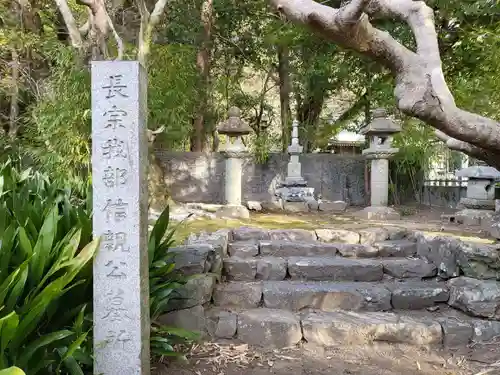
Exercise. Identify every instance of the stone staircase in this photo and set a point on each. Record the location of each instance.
(331, 287)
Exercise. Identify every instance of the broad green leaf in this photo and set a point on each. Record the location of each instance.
(12, 371)
(4, 287)
(8, 326)
(74, 346)
(17, 290)
(42, 342)
(24, 242)
(43, 245)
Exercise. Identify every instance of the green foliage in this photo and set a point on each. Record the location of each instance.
(46, 278)
(45, 270)
(416, 150)
(163, 283)
(12, 371)
(57, 137)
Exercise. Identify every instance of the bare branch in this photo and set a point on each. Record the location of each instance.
(148, 23)
(158, 11)
(490, 157)
(69, 20)
(119, 42)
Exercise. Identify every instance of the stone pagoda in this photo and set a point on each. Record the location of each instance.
(234, 128)
(379, 132)
(294, 189)
(479, 202)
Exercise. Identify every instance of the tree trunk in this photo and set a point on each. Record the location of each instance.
(421, 90)
(284, 82)
(199, 134)
(308, 116)
(14, 96)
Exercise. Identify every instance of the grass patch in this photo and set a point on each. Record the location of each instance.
(268, 221)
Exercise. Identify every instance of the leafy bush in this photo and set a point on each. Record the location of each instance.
(163, 282)
(45, 275)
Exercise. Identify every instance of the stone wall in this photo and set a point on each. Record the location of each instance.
(443, 196)
(199, 177)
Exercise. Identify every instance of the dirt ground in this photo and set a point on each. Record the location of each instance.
(375, 359)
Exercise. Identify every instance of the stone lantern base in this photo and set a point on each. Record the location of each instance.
(378, 213)
(233, 212)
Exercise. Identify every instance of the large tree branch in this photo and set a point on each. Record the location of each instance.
(421, 90)
(69, 20)
(492, 158)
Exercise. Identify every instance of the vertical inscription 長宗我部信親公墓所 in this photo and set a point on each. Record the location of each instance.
(118, 135)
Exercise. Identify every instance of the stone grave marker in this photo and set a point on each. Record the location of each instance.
(120, 195)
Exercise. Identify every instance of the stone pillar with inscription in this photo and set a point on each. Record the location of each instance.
(120, 196)
(380, 132)
(234, 128)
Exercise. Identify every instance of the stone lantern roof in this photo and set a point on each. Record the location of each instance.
(480, 172)
(234, 126)
(381, 124)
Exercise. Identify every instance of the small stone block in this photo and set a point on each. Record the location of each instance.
(289, 248)
(371, 235)
(409, 268)
(238, 294)
(249, 234)
(485, 330)
(349, 327)
(338, 235)
(240, 269)
(300, 235)
(246, 249)
(457, 333)
(271, 268)
(326, 296)
(334, 269)
(357, 251)
(226, 325)
(396, 248)
(269, 328)
(417, 296)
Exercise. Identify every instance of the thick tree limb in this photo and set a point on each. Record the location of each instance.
(73, 31)
(148, 23)
(421, 90)
(490, 157)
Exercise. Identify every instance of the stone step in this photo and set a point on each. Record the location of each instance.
(331, 296)
(275, 328)
(285, 248)
(324, 268)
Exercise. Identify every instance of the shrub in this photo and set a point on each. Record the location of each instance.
(45, 269)
(46, 277)
(163, 282)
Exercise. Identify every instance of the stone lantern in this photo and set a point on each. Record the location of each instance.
(479, 201)
(379, 133)
(234, 128)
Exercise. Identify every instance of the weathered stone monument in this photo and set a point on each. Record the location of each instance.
(380, 132)
(479, 202)
(120, 196)
(234, 128)
(294, 193)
